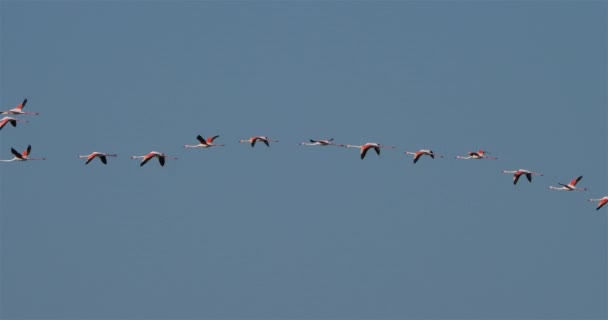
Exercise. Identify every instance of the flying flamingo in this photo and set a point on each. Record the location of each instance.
(328, 142)
(23, 156)
(17, 109)
(253, 139)
(480, 154)
(423, 152)
(100, 155)
(161, 158)
(204, 143)
(370, 145)
(570, 186)
(520, 172)
(11, 120)
(601, 202)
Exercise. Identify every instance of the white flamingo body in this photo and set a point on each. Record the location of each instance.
(600, 202)
(366, 147)
(11, 120)
(161, 158)
(571, 186)
(23, 156)
(204, 143)
(327, 142)
(254, 139)
(423, 152)
(518, 173)
(477, 155)
(102, 157)
(19, 109)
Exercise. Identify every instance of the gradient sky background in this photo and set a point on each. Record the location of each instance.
(292, 231)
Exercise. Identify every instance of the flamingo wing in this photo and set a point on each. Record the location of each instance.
(146, 159)
(265, 142)
(575, 181)
(21, 105)
(90, 158)
(364, 151)
(601, 204)
(377, 150)
(529, 176)
(3, 123)
(210, 140)
(200, 139)
(161, 159)
(516, 177)
(16, 153)
(103, 159)
(27, 151)
(417, 156)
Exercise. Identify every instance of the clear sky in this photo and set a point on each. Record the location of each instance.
(292, 231)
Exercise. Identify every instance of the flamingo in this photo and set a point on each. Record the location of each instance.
(520, 172)
(601, 202)
(570, 186)
(328, 142)
(161, 157)
(370, 145)
(11, 120)
(18, 109)
(100, 155)
(204, 143)
(480, 154)
(423, 152)
(23, 156)
(253, 139)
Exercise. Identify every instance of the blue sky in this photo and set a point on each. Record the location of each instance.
(302, 232)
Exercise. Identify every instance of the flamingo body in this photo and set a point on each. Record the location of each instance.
(19, 109)
(600, 202)
(11, 120)
(102, 157)
(254, 139)
(518, 173)
(204, 143)
(145, 158)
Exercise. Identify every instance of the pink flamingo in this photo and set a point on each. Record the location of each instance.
(423, 152)
(601, 202)
(161, 158)
(253, 139)
(23, 156)
(370, 145)
(204, 143)
(100, 155)
(11, 120)
(328, 142)
(570, 186)
(480, 154)
(520, 172)
(18, 109)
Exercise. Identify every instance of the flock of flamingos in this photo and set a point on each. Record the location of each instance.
(209, 142)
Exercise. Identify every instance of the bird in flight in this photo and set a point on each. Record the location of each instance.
(600, 202)
(253, 140)
(23, 156)
(18, 109)
(520, 172)
(327, 142)
(480, 154)
(102, 156)
(204, 143)
(11, 120)
(423, 152)
(571, 186)
(370, 145)
(145, 158)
